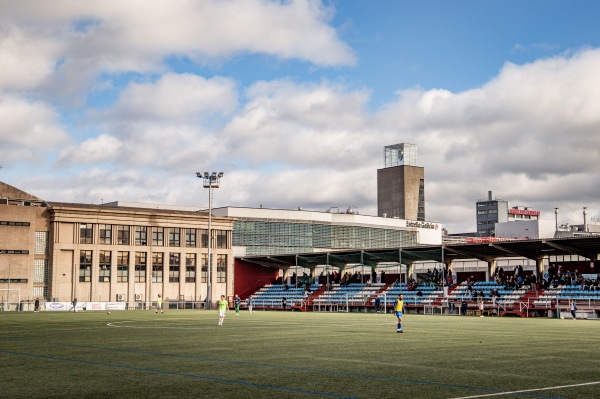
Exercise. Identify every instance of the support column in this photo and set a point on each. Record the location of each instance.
(285, 276)
(491, 269)
(409, 271)
(539, 263)
(448, 264)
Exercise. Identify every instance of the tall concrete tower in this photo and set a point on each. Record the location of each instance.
(401, 184)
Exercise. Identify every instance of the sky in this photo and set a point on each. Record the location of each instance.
(294, 101)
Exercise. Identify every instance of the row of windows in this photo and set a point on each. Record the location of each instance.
(109, 234)
(14, 251)
(8, 223)
(485, 212)
(287, 237)
(140, 267)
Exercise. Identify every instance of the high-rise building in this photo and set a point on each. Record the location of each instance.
(494, 210)
(489, 212)
(401, 184)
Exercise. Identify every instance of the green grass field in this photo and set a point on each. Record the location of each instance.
(183, 354)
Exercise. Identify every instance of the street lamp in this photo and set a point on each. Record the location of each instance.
(211, 180)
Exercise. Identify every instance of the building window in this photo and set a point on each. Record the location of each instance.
(222, 241)
(158, 236)
(204, 238)
(190, 268)
(174, 234)
(190, 238)
(40, 271)
(40, 292)
(41, 243)
(421, 203)
(86, 233)
(85, 266)
(141, 235)
(123, 235)
(122, 266)
(174, 267)
(104, 272)
(140, 267)
(221, 268)
(105, 231)
(158, 264)
(203, 268)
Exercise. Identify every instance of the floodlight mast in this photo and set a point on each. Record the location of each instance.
(210, 181)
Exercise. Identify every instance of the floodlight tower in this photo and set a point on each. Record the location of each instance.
(211, 180)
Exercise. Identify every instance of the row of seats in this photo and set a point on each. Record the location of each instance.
(272, 295)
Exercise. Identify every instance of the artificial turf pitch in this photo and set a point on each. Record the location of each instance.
(184, 354)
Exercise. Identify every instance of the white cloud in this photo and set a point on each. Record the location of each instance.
(83, 39)
(174, 97)
(302, 125)
(99, 149)
(530, 135)
(28, 129)
(26, 60)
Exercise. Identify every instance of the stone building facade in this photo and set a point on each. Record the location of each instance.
(103, 253)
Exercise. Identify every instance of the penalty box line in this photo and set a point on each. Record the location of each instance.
(520, 392)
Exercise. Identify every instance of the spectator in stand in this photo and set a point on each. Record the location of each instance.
(419, 293)
(494, 294)
(533, 282)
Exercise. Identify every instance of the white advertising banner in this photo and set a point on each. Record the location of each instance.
(84, 306)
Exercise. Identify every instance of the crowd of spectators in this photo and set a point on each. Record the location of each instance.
(437, 277)
(515, 280)
(558, 277)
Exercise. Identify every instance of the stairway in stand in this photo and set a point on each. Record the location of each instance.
(516, 310)
(307, 307)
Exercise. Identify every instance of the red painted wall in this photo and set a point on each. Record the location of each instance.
(249, 277)
(584, 267)
(463, 276)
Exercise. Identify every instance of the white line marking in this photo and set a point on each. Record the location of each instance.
(528, 390)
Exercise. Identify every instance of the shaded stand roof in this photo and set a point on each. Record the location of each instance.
(587, 246)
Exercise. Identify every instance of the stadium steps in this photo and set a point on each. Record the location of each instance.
(311, 298)
(383, 289)
(516, 310)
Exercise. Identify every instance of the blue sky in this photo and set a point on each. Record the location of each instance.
(294, 101)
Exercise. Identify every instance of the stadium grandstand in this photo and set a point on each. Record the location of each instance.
(544, 291)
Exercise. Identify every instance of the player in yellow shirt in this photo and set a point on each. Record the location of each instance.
(398, 308)
(223, 304)
(159, 304)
